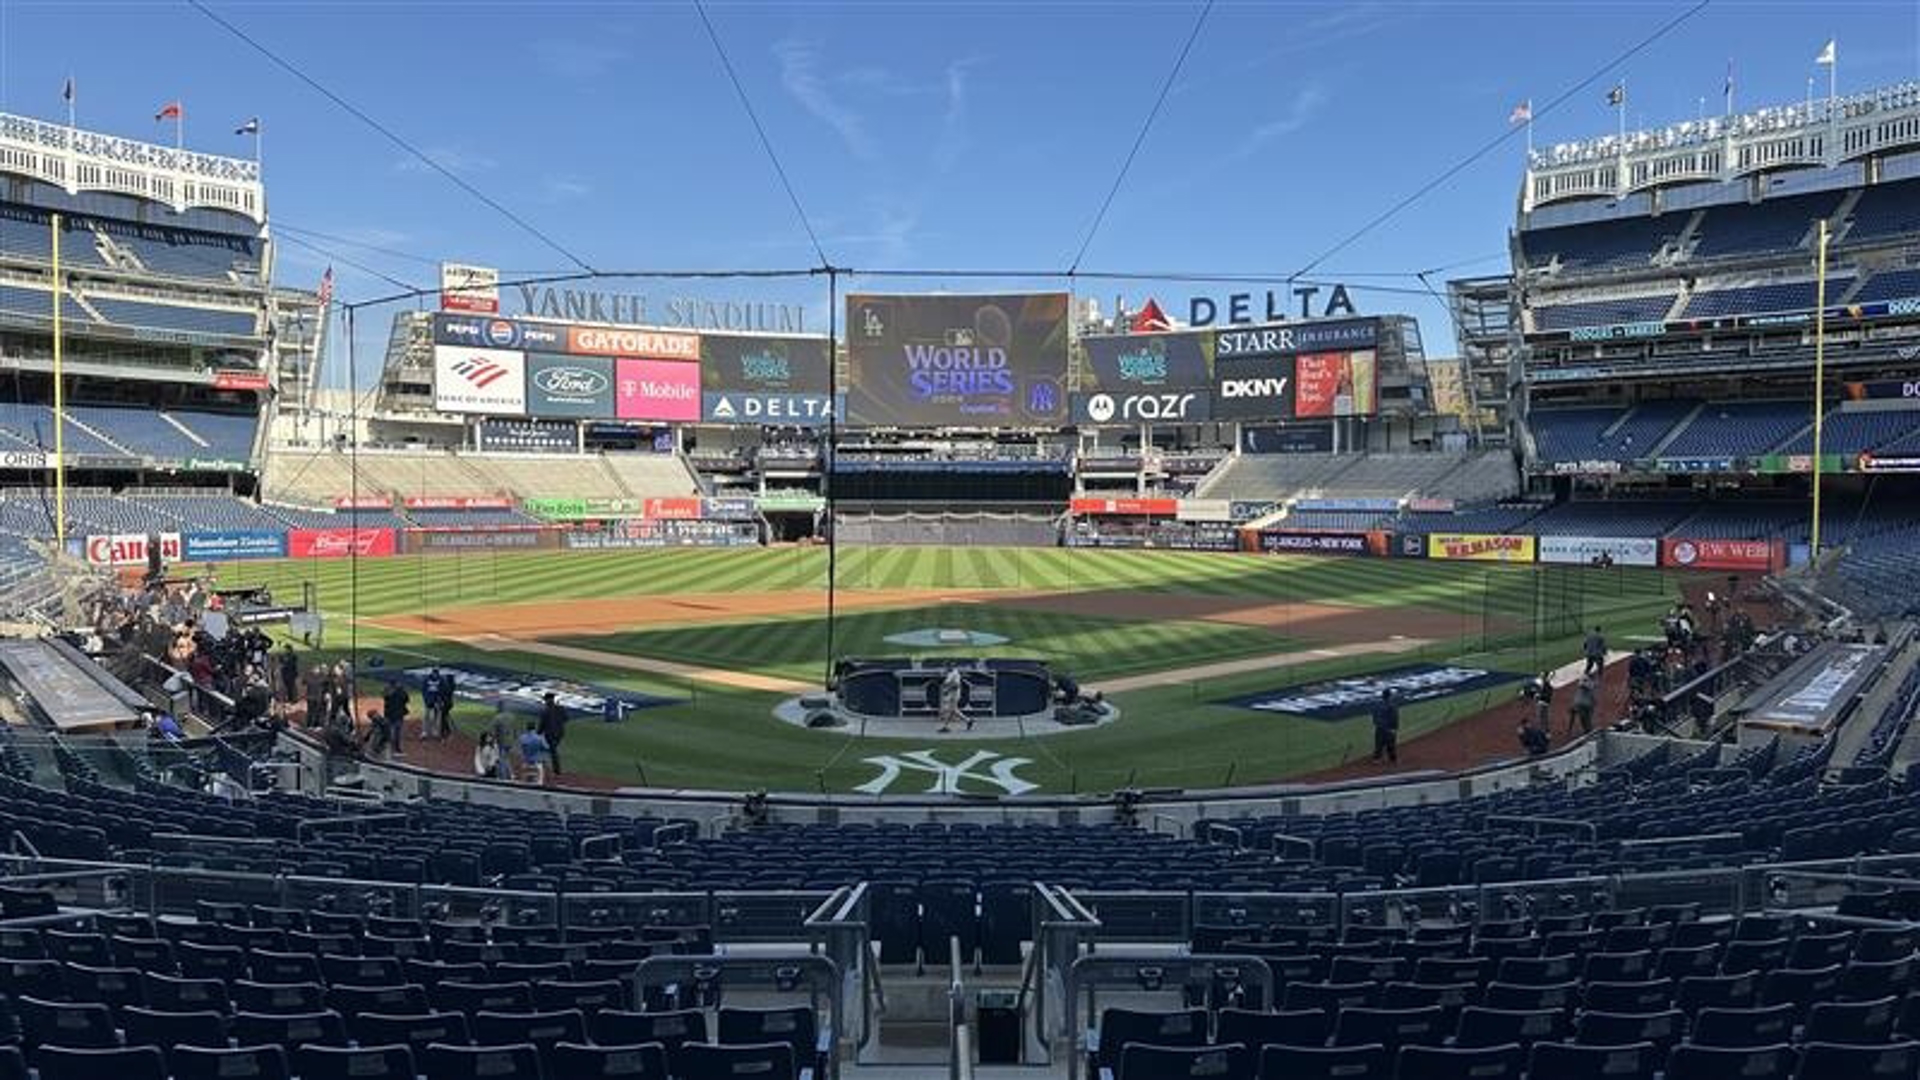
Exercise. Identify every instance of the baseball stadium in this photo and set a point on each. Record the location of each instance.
(679, 675)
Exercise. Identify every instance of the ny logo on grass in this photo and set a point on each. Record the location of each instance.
(946, 779)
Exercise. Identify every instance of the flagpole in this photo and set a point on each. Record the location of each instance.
(59, 403)
(1819, 383)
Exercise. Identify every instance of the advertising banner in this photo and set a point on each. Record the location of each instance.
(457, 502)
(239, 380)
(505, 538)
(782, 410)
(1887, 463)
(1219, 510)
(656, 390)
(1884, 390)
(1248, 509)
(633, 342)
(1142, 407)
(26, 459)
(764, 364)
(566, 509)
(572, 386)
(686, 507)
(664, 533)
(1124, 363)
(339, 543)
(220, 546)
(469, 288)
(728, 508)
(1336, 699)
(957, 361)
(1290, 439)
(498, 333)
(1253, 388)
(1355, 505)
(1313, 543)
(1302, 337)
(129, 549)
(1126, 507)
(468, 379)
(1583, 550)
(1480, 547)
(364, 502)
(1410, 545)
(1758, 556)
(790, 503)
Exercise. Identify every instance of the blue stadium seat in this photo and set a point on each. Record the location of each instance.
(1325, 1063)
(645, 1061)
(1144, 1061)
(316, 1062)
(444, 1062)
(1695, 1062)
(1565, 1061)
(1506, 1062)
(119, 1062)
(229, 1063)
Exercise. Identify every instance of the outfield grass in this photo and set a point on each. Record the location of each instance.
(1517, 618)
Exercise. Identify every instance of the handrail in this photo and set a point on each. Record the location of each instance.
(959, 1043)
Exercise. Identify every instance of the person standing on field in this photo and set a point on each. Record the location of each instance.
(553, 728)
(1386, 727)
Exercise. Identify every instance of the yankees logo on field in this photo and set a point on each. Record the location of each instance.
(983, 772)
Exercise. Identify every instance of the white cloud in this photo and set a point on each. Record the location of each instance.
(564, 188)
(1305, 105)
(452, 158)
(572, 58)
(953, 123)
(800, 76)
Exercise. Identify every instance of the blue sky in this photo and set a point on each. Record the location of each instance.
(978, 135)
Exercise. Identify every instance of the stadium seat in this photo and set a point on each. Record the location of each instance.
(1144, 1061)
(1302, 1027)
(710, 1061)
(1118, 1029)
(1695, 1062)
(1481, 1027)
(317, 1062)
(119, 1062)
(645, 1061)
(1390, 1028)
(277, 997)
(1505, 1062)
(538, 1029)
(398, 999)
(1738, 1028)
(1660, 1030)
(587, 997)
(1325, 1063)
(416, 1032)
(477, 997)
(1852, 1022)
(617, 1027)
(291, 1030)
(441, 1061)
(1565, 1061)
(55, 1023)
(150, 1027)
(224, 1063)
(1828, 1061)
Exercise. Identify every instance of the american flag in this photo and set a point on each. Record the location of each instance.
(1522, 113)
(326, 287)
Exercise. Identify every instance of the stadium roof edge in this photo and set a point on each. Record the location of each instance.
(1816, 134)
(76, 160)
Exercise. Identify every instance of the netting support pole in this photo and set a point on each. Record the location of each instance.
(827, 461)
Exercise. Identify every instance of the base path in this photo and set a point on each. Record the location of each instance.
(1257, 663)
(739, 680)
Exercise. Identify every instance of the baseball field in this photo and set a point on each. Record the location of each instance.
(725, 635)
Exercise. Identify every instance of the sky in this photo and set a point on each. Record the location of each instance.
(974, 136)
